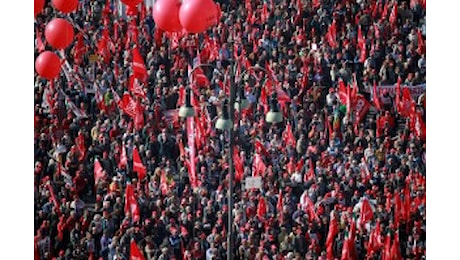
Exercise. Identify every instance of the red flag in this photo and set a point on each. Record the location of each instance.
(265, 14)
(128, 105)
(261, 208)
(258, 166)
(171, 117)
(375, 239)
(405, 105)
(394, 15)
(138, 66)
(331, 35)
(366, 214)
(288, 136)
(239, 167)
(333, 231)
(420, 127)
(192, 151)
(79, 49)
(138, 166)
(100, 100)
(361, 108)
(315, 3)
(348, 103)
(53, 197)
(311, 171)
(282, 95)
(420, 43)
(164, 183)
(139, 118)
(376, 98)
(136, 88)
(395, 248)
(279, 207)
(397, 209)
(351, 240)
(131, 205)
(342, 92)
(134, 252)
(308, 207)
(387, 247)
(407, 201)
(346, 249)
(260, 148)
(98, 171)
(123, 157)
(80, 142)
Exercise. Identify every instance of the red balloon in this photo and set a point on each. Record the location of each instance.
(166, 15)
(48, 65)
(38, 6)
(197, 16)
(65, 6)
(131, 2)
(131, 10)
(59, 33)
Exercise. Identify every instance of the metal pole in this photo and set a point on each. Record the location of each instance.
(230, 241)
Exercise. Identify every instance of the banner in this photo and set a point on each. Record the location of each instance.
(361, 108)
(415, 91)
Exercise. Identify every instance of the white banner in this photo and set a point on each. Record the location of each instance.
(416, 91)
(253, 182)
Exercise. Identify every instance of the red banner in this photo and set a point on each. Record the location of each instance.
(361, 108)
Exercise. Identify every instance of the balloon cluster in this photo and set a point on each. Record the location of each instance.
(59, 34)
(193, 16)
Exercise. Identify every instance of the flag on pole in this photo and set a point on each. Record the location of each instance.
(192, 152)
(134, 252)
(138, 65)
(138, 166)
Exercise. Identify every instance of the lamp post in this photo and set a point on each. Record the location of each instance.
(225, 122)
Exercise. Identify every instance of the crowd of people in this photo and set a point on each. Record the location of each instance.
(335, 184)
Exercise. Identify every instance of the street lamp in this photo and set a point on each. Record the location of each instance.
(274, 115)
(187, 109)
(224, 122)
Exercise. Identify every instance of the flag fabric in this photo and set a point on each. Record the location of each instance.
(131, 205)
(53, 197)
(136, 88)
(262, 208)
(239, 167)
(138, 166)
(376, 98)
(331, 35)
(366, 213)
(405, 104)
(79, 49)
(100, 102)
(407, 201)
(420, 43)
(98, 171)
(123, 157)
(397, 209)
(260, 148)
(192, 152)
(128, 105)
(361, 107)
(387, 248)
(342, 92)
(398, 95)
(171, 117)
(394, 15)
(333, 231)
(139, 117)
(279, 206)
(258, 166)
(308, 207)
(395, 248)
(75, 110)
(288, 136)
(134, 252)
(375, 239)
(138, 65)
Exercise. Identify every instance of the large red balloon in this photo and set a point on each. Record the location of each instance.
(38, 6)
(65, 6)
(59, 33)
(131, 2)
(197, 16)
(166, 15)
(48, 65)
